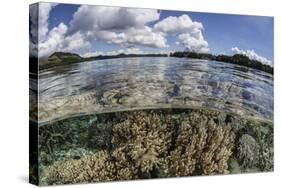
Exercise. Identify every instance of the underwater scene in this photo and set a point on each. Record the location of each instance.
(127, 94)
(160, 143)
(190, 117)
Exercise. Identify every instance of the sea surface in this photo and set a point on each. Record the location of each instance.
(153, 83)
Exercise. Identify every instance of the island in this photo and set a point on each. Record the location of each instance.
(238, 59)
(64, 58)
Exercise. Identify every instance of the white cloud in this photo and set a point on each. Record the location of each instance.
(179, 24)
(146, 37)
(53, 40)
(115, 52)
(75, 42)
(110, 36)
(190, 32)
(123, 26)
(132, 36)
(56, 40)
(193, 41)
(117, 25)
(134, 51)
(89, 18)
(126, 27)
(33, 16)
(44, 12)
(92, 54)
(252, 55)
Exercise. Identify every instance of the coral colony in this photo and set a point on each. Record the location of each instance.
(152, 144)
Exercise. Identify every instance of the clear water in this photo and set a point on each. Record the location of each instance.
(154, 82)
(229, 106)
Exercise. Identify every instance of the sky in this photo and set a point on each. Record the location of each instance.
(103, 30)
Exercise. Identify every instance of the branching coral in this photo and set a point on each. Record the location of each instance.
(149, 144)
(52, 136)
(97, 167)
(146, 138)
(139, 144)
(202, 147)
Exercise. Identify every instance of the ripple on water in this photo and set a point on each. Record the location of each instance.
(116, 84)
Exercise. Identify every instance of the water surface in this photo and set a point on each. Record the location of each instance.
(154, 82)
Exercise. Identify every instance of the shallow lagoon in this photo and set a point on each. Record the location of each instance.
(153, 118)
(157, 82)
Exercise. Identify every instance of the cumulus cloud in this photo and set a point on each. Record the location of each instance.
(189, 32)
(251, 54)
(56, 40)
(33, 17)
(114, 52)
(146, 37)
(132, 36)
(44, 12)
(193, 42)
(179, 24)
(134, 51)
(117, 25)
(110, 36)
(89, 18)
(126, 27)
(53, 41)
(92, 54)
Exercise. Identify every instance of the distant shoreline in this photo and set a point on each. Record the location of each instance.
(64, 58)
(236, 59)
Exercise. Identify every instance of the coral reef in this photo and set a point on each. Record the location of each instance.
(158, 143)
(96, 167)
(63, 140)
(149, 144)
(99, 133)
(202, 147)
(248, 151)
(255, 150)
(145, 139)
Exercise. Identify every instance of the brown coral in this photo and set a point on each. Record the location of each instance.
(146, 137)
(97, 167)
(145, 144)
(202, 147)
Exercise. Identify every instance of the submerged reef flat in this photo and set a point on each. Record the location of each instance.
(158, 143)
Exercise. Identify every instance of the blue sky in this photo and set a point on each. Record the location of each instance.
(200, 32)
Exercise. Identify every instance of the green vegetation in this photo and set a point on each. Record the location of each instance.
(64, 58)
(59, 58)
(238, 59)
